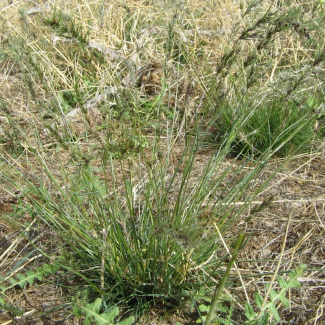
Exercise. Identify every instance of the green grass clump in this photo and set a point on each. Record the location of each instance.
(285, 127)
(142, 241)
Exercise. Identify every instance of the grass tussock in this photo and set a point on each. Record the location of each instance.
(140, 135)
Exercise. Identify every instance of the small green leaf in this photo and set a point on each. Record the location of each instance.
(249, 311)
(273, 310)
(264, 320)
(128, 321)
(199, 320)
(274, 296)
(281, 281)
(294, 275)
(203, 308)
(30, 276)
(258, 300)
(93, 315)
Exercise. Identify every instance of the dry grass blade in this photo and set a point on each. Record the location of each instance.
(278, 265)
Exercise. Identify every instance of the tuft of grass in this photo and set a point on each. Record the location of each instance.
(285, 127)
(143, 239)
